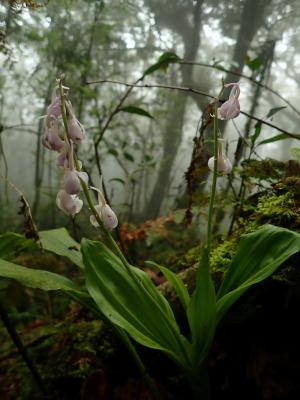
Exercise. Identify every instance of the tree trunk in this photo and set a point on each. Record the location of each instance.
(174, 126)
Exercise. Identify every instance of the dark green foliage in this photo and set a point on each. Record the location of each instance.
(268, 169)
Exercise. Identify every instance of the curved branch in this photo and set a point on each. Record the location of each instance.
(191, 90)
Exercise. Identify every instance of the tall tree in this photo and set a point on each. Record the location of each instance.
(184, 19)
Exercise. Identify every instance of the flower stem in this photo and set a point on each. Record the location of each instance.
(141, 367)
(214, 181)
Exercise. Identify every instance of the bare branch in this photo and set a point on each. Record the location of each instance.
(191, 90)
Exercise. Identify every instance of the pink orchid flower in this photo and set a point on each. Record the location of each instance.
(71, 179)
(231, 108)
(69, 204)
(105, 213)
(51, 139)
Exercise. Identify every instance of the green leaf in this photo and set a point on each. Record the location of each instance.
(136, 110)
(45, 280)
(117, 180)
(59, 241)
(256, 132)
(163, 62)
(132, 304)
(254, 64)
(35, 278)
(11, 244)
(128, 156)
(258, 255)
(274, 111)
(281, 136)
(113, 152)
(175, 281)
(148, 158)
(202, 311)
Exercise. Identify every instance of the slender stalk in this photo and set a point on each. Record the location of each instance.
(147, 378)
(215, 172)
(214, 182)
(199, 383)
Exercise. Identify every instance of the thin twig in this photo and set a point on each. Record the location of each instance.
(248, 77)
(30, 229)
(115, 111)
(195, 91)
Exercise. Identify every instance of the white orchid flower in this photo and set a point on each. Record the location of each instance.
(224, 164)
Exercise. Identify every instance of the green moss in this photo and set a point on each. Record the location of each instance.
(85, 334)
(280, 208)
(222, 255)
(182, 261)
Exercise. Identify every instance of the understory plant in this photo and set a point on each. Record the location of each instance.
(123, 294)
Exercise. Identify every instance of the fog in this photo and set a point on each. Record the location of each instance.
(143, 160)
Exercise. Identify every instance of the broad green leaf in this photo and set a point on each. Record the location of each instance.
(175, 281)
(136, 110)
(11, 244)
(163, 62)
(133, 304)
(258, 255)
(202, 311)
(59, 241)
(274, 111)
(254, 64)
(35, 278)
(45, 280)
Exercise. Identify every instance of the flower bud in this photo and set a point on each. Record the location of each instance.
(105, 213)
(76, 130)
(223, 164)
(108, 217)
(51, 139)
(53, 110)
(62, 160)
(83, 175)
(231, 108)
(69, 204)
(71, 182)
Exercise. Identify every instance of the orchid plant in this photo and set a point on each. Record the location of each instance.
(123, 294)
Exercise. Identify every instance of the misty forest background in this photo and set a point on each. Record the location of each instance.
(143, 160)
